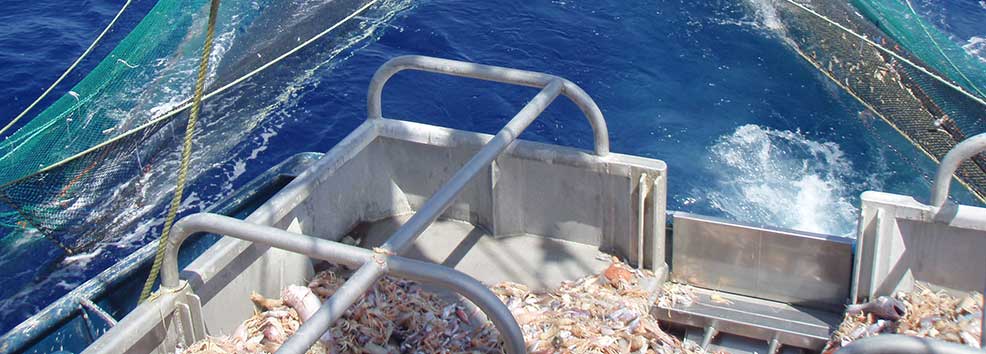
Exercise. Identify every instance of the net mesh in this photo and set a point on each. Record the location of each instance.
(933, 115)
(83, 167)
(915, 36)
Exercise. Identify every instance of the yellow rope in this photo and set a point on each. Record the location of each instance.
(67, 71)
(186, 152)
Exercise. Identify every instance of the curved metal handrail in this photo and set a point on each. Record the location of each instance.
(489, 73)
(344, 254)
(901, 344)
(953, 159)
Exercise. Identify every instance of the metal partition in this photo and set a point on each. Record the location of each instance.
(903, 241)
(782, 287)
(781, 265)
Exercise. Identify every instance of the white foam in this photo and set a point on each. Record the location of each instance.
(83, 259)
(765, 14)
(758, 15)
(219, 135)
(782, 178)
(976, 47)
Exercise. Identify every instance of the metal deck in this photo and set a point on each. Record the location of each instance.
(535, 261)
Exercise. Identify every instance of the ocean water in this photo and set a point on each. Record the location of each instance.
(749, 130)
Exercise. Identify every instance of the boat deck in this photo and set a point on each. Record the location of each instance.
(535, 261)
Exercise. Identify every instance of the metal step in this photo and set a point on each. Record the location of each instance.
(717, 320)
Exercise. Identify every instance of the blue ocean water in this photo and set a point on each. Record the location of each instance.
(750, 130)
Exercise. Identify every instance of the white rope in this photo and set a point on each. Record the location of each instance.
(892, 53)
(69, 70)
(186, 104)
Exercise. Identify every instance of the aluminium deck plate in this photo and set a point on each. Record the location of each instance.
(754, 318)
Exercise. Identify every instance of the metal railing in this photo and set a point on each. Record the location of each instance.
(384, 260)
(962, 151)
(489, 73)
(953, 159)
(343, 254)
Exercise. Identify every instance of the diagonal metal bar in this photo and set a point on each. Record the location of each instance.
(364, 278)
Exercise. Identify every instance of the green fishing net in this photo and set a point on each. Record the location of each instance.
(97, 158)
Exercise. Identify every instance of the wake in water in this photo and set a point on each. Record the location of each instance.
(235, 129)
(782, 178)
(976, 47)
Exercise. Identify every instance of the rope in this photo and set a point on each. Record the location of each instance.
(960, 89)
(186, 152)
(67, 71)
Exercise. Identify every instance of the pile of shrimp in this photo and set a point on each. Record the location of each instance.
(604, 313)
(927, 313)
(394, 316)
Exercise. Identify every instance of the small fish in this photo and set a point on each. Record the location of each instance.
(883, 307)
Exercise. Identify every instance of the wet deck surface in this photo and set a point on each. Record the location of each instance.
(532, 260)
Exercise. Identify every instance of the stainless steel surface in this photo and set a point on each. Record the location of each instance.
(707, 336)
(642, 190)
(267, 235)
(146, 328)
(444, 197)
(754, 318)
(902, 242)
(780, 265)
(901, 344)
(773, 346)
(488, 73)
(429, 212)
(91, 306)
(960, 153)
(658, 229)
(541, 263)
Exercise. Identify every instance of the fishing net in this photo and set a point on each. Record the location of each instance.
(81, 169)
(902, 69)
(899, 19)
